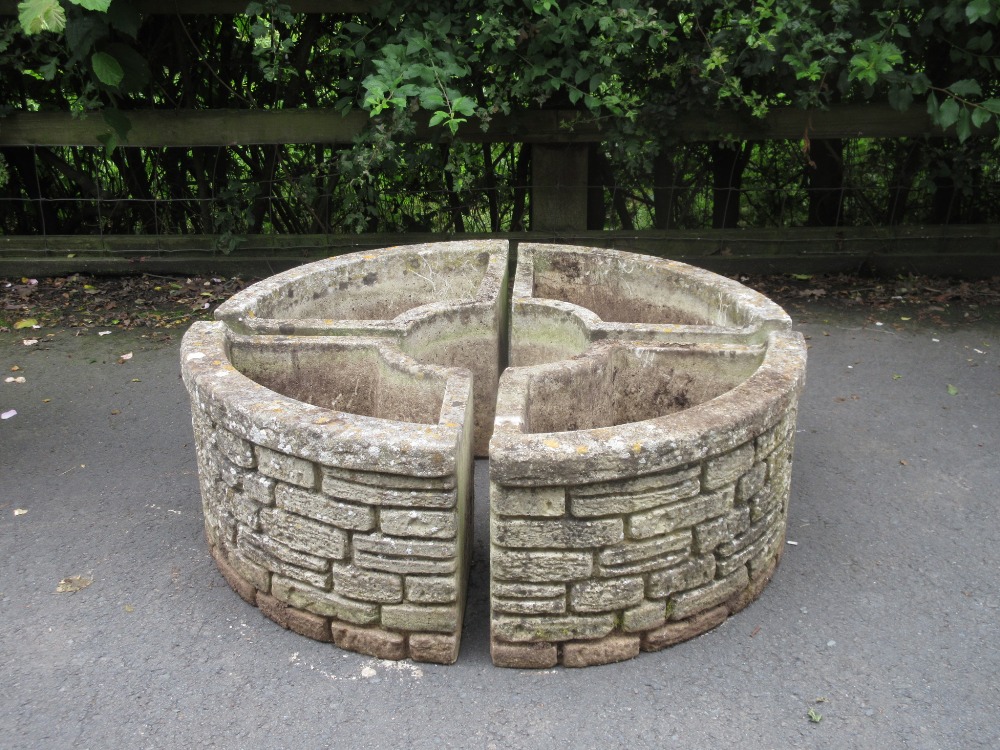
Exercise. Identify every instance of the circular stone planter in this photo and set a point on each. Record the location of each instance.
(640, 458)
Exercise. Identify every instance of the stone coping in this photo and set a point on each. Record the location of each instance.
(640, 447)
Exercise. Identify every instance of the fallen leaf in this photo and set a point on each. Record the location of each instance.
(29, 342)
(8, 414)
(897, 376)
(814, 716)
(26, 323)
(72, 584)
(14, 380)
(125, 358)
(129, 608)
(904, 462)
(20, 511)
(952, 390)
(104, 333)
(15, 368)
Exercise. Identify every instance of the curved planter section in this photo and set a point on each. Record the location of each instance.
(641, 462)
(336, 487)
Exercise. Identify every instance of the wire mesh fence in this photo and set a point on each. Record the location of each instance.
(234, 192)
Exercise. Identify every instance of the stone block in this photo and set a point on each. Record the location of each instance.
(434, 648)
(259, 488)
(280, 551)
(348, 516)
(728, 467)
(540, 566)
(710, 534)
(680, 515)
(366, 585)
(765, 543)
(304, 623)
(691, 573)
(524, 655)
(553, 629)
(633, 551)
(369, 641)
(421, 618)
(759, 578)
(320, 602)
(300, 533)
(256, 575)
(380, 544)
(607, 595)
(431, 524)
(528, 501)
(738, 520)
(692, 602)
(527, 590)
(676, 632)
(555, 606)
(250, 548)
(405, 565)
(289, 469)
(431, 589)
(613, 648)
(556, 533)
(750, 483)
(611, 505)
(236, 449)
(768, 441)
(387, 496)
(648, 615)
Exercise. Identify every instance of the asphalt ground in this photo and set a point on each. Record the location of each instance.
(880, 629)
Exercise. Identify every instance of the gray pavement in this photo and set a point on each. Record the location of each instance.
(884, 617)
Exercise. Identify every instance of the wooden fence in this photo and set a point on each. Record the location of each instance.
(560, 143)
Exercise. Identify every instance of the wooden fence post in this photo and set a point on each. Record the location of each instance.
(558, 187)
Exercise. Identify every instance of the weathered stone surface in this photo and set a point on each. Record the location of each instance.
(421, 618)
(727, 468)
(386, 496)
(366, 585)
(689, 603)
(370, 641)
(696, 571)
(348, 516)
(710, 534)
(555, 606)
(556, 629)
(606, 595)
(434, 648)
(289, 469)
(431, 524)
(750, 483)
(613, 648)
(610, 505)
(634, 551)
(405, 565)
(683, 630)
(529, 501)
(304, 623)
(556, 533)
(326, 603)
(431, 589)
(237, 450)
(524, 655)
(303, 534)
(527, 590)
(540, 566)
(240, 585)
(614, 504)
(380, 544)
(646, 616)
(680, 515)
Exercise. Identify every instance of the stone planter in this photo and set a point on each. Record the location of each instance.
(640, 459)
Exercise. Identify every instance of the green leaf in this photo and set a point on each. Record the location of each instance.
(978, 9)
(82, 33)
(134, 66)
(966, 87)
(980, 117)
(952, 390)
(99, 5)
(118, 122)
(125, 17)
(993, 105)
(107, 69)
(947, 114)
(902, 31)
(36, 16)
(964, 126)
(900, 99)
(27, 323)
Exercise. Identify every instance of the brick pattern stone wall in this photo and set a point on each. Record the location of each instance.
(375, 563)
(592, 573)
